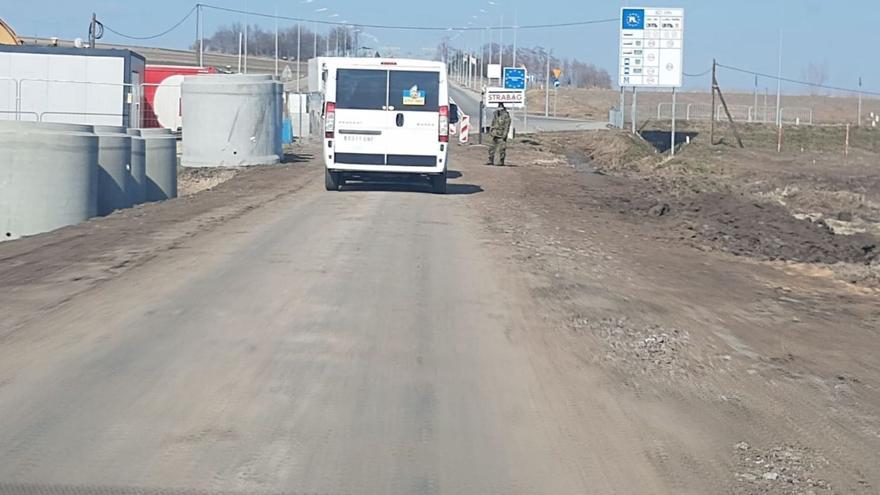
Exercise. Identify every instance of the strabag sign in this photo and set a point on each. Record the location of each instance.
(512, 98)
(651, 47)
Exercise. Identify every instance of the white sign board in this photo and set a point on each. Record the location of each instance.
(493, 71)
(651, 47)
(512, 98)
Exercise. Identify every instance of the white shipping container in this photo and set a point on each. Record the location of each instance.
(71, 85)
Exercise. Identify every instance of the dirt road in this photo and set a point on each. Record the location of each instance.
(267, 336)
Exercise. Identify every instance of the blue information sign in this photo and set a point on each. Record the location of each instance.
(633, 18)
(514, 78)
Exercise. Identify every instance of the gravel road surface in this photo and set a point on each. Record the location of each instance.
(515, 336)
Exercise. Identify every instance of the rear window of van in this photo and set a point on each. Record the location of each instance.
(371, 89)
(414, 91)
(361, 89)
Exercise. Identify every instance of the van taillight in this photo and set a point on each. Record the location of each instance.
(444, 124)
(330, 120)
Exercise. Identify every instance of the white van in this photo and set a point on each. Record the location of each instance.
(385, 116)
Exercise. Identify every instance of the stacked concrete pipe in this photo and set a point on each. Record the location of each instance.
(48, 176)
(160, 149)
(114, 173)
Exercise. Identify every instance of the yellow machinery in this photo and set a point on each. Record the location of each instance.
(7, 35)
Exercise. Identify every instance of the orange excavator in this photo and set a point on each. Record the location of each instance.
(7, 35)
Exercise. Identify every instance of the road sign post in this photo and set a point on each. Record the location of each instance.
(651, 51)
(672, 148)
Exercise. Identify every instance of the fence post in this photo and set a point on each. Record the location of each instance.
(712, 110)
(846, 143)
(779, 138)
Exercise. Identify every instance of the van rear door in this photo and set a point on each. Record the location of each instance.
(361, 116)
(414, 112)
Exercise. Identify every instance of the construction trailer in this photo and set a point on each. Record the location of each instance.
(71, 85)
(162, 105)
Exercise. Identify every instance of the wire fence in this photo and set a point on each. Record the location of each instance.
(88, 102)
(149, 105)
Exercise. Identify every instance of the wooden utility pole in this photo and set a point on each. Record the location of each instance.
(93, 31)
(716, 87)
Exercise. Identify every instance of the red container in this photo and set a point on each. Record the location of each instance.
(162, 93)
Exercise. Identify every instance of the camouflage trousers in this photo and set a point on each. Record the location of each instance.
(499, 148)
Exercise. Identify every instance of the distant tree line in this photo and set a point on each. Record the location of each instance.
(344, 40)
(340, 40)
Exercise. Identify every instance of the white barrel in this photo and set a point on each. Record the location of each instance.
(231, 120)
(160, 150)
(114, 172)
(48, 177)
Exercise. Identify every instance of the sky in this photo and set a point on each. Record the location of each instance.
(842, 34)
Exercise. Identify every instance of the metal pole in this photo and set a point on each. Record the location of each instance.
(501, 42)
(480, 134)
(756, 99)
(201, 35)
(672, 146)
(315, 39)
(245, 43)
(92, 32)
(547, 88)
(635, 109)
(620, 108)
(298, 55)
(555, 100)
(859, 122)
(712, 110)
(515, 22)
(240, 42)
(766, 94)
(276, 41)
(491, 41)
(779, 84)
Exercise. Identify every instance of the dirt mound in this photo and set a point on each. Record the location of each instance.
(715, 199)
(766, 231)
(191, 180)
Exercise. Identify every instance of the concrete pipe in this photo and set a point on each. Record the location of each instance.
(48, 177)
(114, 169)
(231, 120)
(160, 148)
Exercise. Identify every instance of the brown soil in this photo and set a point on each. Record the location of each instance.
(793, 206)
(757, 375)
(192, 180)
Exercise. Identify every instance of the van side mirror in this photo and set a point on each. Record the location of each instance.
(453, 113)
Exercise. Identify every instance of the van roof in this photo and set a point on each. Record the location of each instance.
(381, 62)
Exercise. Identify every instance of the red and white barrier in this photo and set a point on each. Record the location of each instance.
(463, 135)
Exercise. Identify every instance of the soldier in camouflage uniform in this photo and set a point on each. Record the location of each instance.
(499, 130)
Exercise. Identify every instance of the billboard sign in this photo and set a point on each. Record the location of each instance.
(651, 47)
